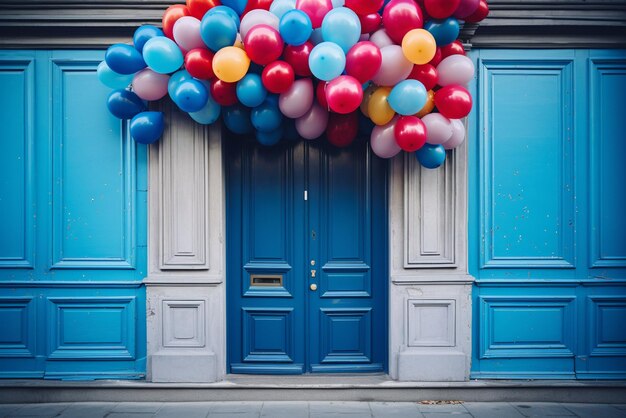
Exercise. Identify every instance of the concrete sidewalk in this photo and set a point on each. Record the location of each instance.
(312, 410)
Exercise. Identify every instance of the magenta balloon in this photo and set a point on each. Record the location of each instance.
(315, 9)
(187, 33)
(438, 128)
(466, 8)
(150, 85)
(296, 101)
(344, 94)
(394, 68)
(458, 134)
(383, 141)
(363, 61)
(313, 124)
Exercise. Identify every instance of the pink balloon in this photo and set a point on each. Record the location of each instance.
(296, 101)
(344, 94)
(438, 128)
(455, 69)
(383, 141)
(381, 39)
(315, 9)
(187, 33)
(394, 68)
(150, 85)
(458, 134)
(313, 124)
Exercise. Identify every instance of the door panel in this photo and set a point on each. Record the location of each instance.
(279, 244)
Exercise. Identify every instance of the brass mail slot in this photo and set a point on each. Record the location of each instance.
(275, 280)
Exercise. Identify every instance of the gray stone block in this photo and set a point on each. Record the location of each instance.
(395, 410)
(541, 409)
(88, 409)
(285, 410)
(236, 407)
(442, 408)
(184, 410)
(431, 366)
(492, 410)
(584, 410)
(41, 410)
(183, 367)
(138, 407)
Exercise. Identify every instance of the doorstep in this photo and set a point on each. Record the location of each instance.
(312, 388)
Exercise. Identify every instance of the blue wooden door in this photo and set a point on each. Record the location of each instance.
(306, 253)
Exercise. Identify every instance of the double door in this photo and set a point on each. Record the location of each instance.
(306, 253)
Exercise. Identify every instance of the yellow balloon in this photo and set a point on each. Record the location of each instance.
(429, 106)
(230, 64)
(378, 108)
(367, 94)
(419, 46)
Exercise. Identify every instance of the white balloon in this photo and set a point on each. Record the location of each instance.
(394, 68)
(458, 134)
(257, 17)
(455, 69)
(187, 33)
(383, 140)
(438, 128)
(381, 39)
(296, 101)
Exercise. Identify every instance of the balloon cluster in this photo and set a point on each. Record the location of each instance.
(304, 68)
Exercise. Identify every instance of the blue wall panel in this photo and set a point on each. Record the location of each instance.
(547, 229)
(73, 192)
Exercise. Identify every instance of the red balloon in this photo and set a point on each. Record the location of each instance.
(441, 9)
(170, 16)
(223, 93)
(342, 129)
(263, 44)
(455, 48)
(199, 63)
(363, 61)
(437, 58)
(198, 8)
(370, 23)
(278, 77)
(344, 94)
(298, 58)
(364, 7)
(453, 101)
(410, 133)
(256, 4)
(315, 9)
(320, 94)
(479, 14)
(399, 17)
(426, 74)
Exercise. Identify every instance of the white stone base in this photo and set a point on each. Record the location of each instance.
(433, 366)
(183, 367)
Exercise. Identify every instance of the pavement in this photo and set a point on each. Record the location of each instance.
(426, 409)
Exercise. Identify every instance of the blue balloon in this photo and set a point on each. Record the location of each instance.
(266, 117)
(147, 127)
(190, 95)
(218, 30)
(237, 119)
(431, 156)
(270, 138)
(316, 36)
(280, 7)
(124, 104)
(175, 79)
(341, 26)
(143, 34)
(295, 27)
(111, 79)
(124, 59)
(408, 97)
(209, 113)
(444, 31)
(250, 90)
(237, 5)
(162, 55)
(226, 10)
(327, 61)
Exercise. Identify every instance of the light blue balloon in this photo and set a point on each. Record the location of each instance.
(162, 55)
(408, 97)
(270, 138)
(237, 5)
(190, 95)
(295, 27)
(327, 61)
(175, 79)
(266, 117)
(338, 3)
(209, 113)
(237, 119)
(143, 34)
(250, 90)
(431, 156)
(444, 31)
(218, 30)
(341, 26)
(280, 7)
(227, 10)
(111, 79)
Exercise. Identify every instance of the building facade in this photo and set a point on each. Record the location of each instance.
(205, 255)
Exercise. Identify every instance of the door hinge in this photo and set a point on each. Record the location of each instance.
(306, 195)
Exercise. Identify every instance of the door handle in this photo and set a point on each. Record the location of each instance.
(313, 287)
(313, 273)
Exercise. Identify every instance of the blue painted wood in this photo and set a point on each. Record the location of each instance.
(546, 227)
(274, 232)
(74, 252)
